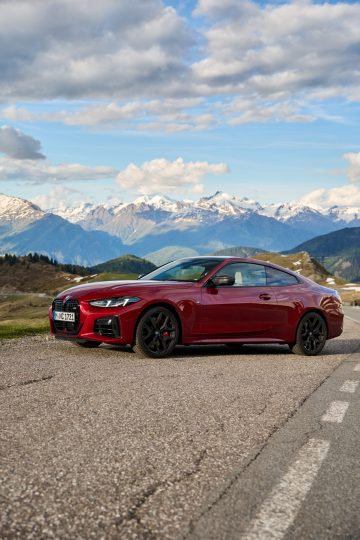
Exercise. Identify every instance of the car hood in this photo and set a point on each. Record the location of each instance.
(104, 289)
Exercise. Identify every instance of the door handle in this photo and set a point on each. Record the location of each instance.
(264, 296)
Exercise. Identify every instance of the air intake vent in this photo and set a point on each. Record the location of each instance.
(107, 327)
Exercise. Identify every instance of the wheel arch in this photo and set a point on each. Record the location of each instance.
(166, 305)
(306, 312)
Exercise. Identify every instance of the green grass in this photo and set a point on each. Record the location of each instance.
(23, 314)
(110, 276)
(15, 329)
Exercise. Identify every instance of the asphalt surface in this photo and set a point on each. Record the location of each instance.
(103, 444)
(352, 313)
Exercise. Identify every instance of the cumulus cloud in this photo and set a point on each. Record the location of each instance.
(45, 172)
(60, 197)
(163, 176)
(15, 144)
(61, 48)
(353, 170)
(347, 195)
(273, 49)
(131, 57)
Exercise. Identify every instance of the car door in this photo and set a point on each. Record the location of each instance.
(288, 292)
(248, 308)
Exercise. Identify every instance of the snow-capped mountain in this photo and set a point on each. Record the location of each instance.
(18, 212)
(95, 233)
(25, 228)
(145, 215)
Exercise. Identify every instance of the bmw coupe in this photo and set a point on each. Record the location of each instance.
(201, 300)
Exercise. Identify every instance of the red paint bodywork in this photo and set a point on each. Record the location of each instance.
(209, 314)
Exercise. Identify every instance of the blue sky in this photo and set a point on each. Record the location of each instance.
(109, 101)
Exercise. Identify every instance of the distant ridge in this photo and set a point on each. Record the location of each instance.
(338, 251)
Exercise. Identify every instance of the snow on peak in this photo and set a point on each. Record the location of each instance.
(344, 213)
(161, 202)
(16, 209)
(74, 214)
(228, 204)
(287, 211)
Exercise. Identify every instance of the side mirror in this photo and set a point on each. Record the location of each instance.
(222, 281)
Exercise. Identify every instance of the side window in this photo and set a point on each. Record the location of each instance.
(245, 274)
(277, 278)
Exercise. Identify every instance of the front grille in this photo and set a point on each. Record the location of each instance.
(107, 326)
(70, 306)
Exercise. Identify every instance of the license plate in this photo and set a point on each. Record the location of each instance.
(63, 316)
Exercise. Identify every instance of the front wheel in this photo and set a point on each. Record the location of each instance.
(157, 333)
(311, 335)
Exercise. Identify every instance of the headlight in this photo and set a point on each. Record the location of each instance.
(115, 302)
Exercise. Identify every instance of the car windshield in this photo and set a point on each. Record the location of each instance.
(186, 270)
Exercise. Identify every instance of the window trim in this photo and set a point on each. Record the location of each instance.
(265, 266)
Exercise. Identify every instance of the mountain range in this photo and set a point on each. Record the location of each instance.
(90, 234)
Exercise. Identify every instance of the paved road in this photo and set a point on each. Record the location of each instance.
(102, 444)
(352, 312)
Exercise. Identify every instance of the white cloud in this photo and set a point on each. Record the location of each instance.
(353, 170)
(180, 114)
(347, 195)
(41, 172)
(163, 176)
(262, 111)
(18, 114)
(15, 144)
(112, 48)
(59, 197)
(135, 60)
(289, 48)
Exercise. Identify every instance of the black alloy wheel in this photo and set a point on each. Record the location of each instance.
(157, 333)
(311, 335)
(88, 344)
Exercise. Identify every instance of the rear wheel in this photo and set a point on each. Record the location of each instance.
(311, 335)
(88, 344)
(157, 333)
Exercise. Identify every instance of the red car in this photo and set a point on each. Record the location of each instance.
(201, 300)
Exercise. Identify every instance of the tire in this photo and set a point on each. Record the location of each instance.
(157, 333)
(311, 335)
(88, 344)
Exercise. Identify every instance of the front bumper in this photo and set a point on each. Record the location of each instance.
(113, 326)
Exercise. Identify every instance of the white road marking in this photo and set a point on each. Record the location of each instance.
(357, 367)
(349, 386)
(280, 509)
(351, 319)
(335, 412)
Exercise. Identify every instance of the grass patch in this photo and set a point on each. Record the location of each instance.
(23, 315)
(15, 329)
(110, 276)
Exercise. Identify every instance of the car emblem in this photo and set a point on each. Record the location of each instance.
(67, 298)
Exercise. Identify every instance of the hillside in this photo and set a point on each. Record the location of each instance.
(33, 277)
(239, 251)
(39, 274)
(303, 264)
(339, 252)
(170, 253)
(127, 264)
